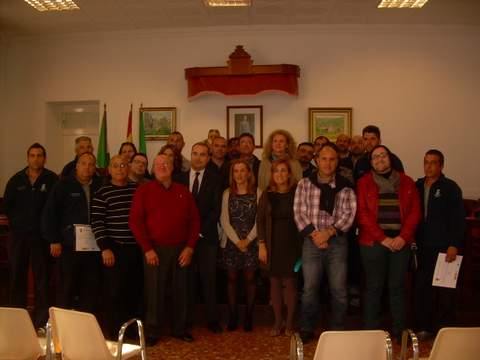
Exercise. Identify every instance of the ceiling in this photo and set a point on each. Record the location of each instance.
(19, 18)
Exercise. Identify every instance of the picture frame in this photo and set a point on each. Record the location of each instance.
(329, 122)
(158, 122)
(245, 119)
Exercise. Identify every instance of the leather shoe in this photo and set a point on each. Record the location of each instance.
(306, 336)
(151, 340)
(215, 328)
(187, 337)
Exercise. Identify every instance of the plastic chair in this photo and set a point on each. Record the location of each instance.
(358, 345)
(406, 336)
(18, 339)
(456, 343)
(78, 336)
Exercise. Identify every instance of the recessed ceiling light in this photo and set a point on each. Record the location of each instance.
(401, 4)
(217, 3)
(53, 5)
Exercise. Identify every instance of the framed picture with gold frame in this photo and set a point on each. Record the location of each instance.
(329, 122)
(158, 122)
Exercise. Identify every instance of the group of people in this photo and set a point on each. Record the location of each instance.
(317, 208)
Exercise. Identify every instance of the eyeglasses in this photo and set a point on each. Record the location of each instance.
(121, 166)
(382, 155)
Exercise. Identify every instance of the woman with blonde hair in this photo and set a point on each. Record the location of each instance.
(279, 145)
(239, 243)
(279, 242)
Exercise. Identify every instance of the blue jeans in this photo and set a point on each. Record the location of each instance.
(333, 261)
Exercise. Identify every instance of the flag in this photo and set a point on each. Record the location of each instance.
(129, 125)
(103, 156)
(142, 146)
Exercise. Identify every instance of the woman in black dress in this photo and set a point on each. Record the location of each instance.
(239, 243)
(279, 242)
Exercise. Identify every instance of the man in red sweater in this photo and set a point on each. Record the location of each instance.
(166, 224)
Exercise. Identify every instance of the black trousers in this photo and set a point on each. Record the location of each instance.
(124, 287)
(434, 306)
(79, 279)
(203, 271)
(23, 249)
(157, 278)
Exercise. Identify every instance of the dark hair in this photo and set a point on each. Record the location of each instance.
(371, 129)
(201, 143)
(320, 137)
(389, 153)
(306, 143)
(176, 133)
(37, 146)
(437, 153)
(177, 157)
(247, 135)
(232, 140)
(139, 154)
(330, 145)
(127, 143)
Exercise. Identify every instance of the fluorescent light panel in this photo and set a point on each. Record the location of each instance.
(217, 3)
(53, 5)
(401, 4)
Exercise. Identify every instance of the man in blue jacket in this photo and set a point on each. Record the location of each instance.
(24, 199)
(65, 218)
(441, 231)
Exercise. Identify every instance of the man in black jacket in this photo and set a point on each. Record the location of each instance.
(441, 231)
(83, 144)
(24, 199)
(205, 186)
(66, 216)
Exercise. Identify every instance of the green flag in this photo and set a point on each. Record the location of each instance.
(103, 156)
(142, 146)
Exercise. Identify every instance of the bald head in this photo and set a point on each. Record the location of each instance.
(357, 147)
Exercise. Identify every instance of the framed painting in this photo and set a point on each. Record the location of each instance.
(245, 119)
(158, 122)
(329, 122)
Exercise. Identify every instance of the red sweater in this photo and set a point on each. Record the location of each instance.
(164, 216)
(367, 211)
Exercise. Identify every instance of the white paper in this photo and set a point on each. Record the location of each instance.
(446, 273)
(84, 239)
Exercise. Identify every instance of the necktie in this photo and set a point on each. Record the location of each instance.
(195, 184)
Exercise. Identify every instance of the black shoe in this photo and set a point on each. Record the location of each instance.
(232, 323)
(247, 324)
(215, 328)
(151, 340)
(306, 336)
(187, 337)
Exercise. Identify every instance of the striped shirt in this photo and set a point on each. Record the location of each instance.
(308, 215)
(110, 212)
(388, 217)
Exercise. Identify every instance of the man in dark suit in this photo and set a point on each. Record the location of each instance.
(205, 186)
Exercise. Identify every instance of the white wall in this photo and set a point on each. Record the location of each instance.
(419, 84)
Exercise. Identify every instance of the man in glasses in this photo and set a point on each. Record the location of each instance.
(121, 255)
